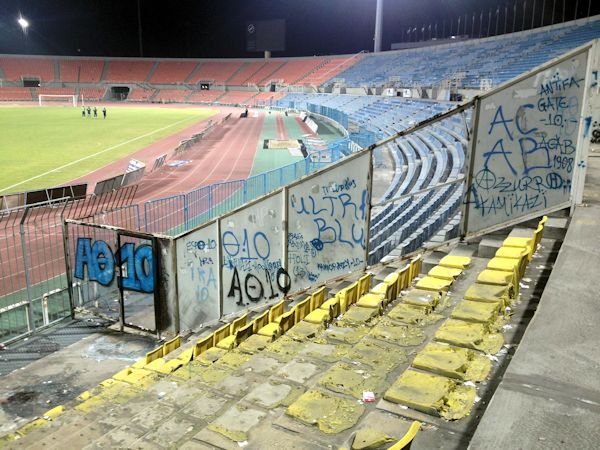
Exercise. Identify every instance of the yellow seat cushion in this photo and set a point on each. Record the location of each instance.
(227, 343)
(380, 288)
(495, 277)
(271, 330)
(318, 316)
(419, 297)
(371, 300)
(524, 242)
(504, 264)
(165, 367)
(510, 252)
(458, 262)
(445, 273)
(473, 311)
(433, 284)
(488, 293)
(187, 355)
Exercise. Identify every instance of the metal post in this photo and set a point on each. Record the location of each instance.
(378, 26)
(533, 14)
(186, 212)
(29, 308)
(564, 9)
(514, 16)
(553, 11)
(576, 8)
(524, 8)
(65, 229)
(119, 274)
(481, 23)
(139, 17)
(543, 11)
(497, 17)
(505, 18)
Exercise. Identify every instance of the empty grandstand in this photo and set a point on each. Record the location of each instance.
(370, 293)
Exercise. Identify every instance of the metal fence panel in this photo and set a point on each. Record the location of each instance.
(252, 245)
(164, 214)
(198, 277)
(328, 223)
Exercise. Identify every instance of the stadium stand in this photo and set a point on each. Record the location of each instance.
(56, 90)
(15, 93)
(263, 75)
(294, 70)
(140, 94)
(205, 96)
(81, 70)
(245, 72)
(172, 95)
(92, 93)
(123, 71)
(237, 97)
(16, 68)
(172, 72)
(497, 58)
(328, 70)
(217, 72)
(267, 98)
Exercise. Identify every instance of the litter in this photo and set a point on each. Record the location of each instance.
(368, 397)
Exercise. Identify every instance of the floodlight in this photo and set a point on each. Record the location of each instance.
(24, 24)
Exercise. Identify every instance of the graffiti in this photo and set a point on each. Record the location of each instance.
(345, 264)
(307, 205)
(254, 274)
(329, 231)
(248, 249)
(258, 286)
(558, 84)
(595, 133)
(137, 264)
(204, 279)
(529, 154)
(327, 224)
(202, 245)
(334, 188)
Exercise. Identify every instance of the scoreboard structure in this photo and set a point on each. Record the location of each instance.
(265, 35)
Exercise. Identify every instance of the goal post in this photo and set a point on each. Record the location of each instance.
(44, 99)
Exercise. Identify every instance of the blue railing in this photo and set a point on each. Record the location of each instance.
(179, 213)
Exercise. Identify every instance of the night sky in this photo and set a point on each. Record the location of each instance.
(216, 28)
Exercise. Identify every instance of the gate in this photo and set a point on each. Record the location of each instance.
(113, 274)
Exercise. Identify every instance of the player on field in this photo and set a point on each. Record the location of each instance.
(95, 113)
(83, 111)
(104, 112)
(89, 111)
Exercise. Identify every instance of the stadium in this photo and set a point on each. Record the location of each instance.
(371, 248)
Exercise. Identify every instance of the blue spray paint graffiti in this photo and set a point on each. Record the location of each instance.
(328, 216)
(137, 264)
(249, 252)
(533, 148)
(328, 223)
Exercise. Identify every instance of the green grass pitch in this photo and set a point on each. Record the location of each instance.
(43, 147)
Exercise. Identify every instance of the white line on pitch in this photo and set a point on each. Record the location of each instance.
(92, 155)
